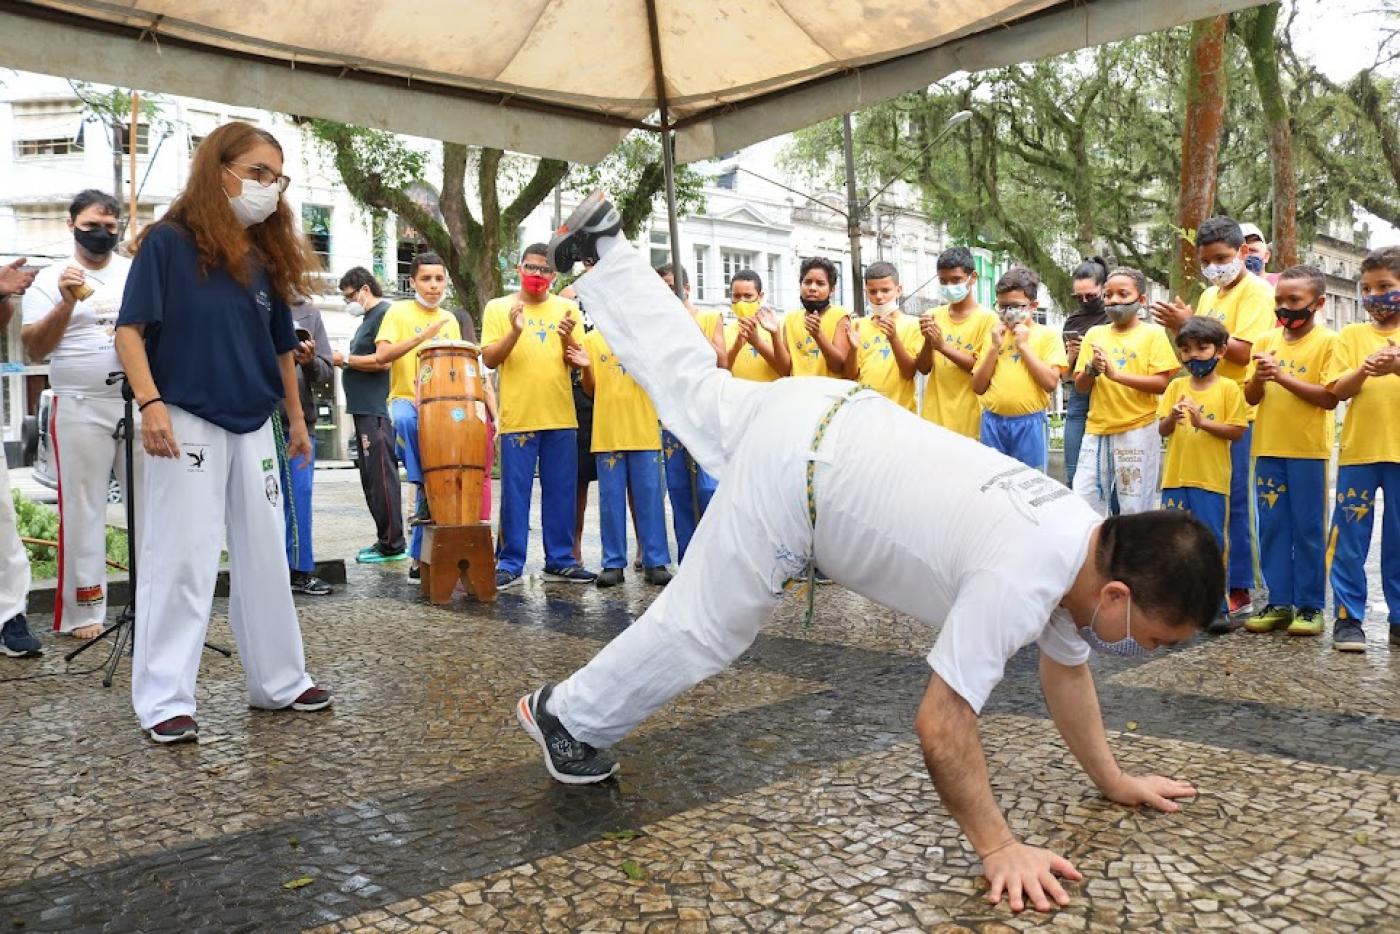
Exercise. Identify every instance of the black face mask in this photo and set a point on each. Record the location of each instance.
(1293, 318)
(812, 304)
(99, 241)
(1093, 306)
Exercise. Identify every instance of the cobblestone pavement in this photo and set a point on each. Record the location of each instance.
(786, 793)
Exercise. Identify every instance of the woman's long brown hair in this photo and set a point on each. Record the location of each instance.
(203, 210)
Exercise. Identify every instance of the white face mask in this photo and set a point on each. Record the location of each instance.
(422, 300)
(354, 309)
(256, 204)
(953, 292)
(887, 309)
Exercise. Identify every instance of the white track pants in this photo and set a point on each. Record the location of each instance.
(754, 536)
(1128, 464)
(86, 455)
(14, 562)
(222, 483)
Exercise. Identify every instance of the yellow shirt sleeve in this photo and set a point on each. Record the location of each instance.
(1344, 357)
(1050, 348)
(495, 322)
(1236, 408)
(1162, 356)
(1173, 393)
(390, 328)
(1255, 316)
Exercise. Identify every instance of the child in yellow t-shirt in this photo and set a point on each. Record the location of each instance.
(627, 446)
(953, 334)
(818, 335)
(1292, 447)
(1200, 416)
(1126, 364)
(1366, 370)
(1018, 366)
(755, 349)
(405, 327)
(885, 340)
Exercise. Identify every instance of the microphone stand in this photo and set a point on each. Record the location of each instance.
(124, 628)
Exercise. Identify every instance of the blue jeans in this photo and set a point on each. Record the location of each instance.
(641, 471)
(1240, 573)
(1350, 538)
(556, 453)
(1291, 503)
(1020, 436)
(296, 509)
(1206, 505)
(690, 490)
(1076, 416)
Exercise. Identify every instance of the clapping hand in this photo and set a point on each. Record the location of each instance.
(1265, 367)
(1021, 333)
(767, 319)
(517, 317)
(1171, 315)
(577, 356)
(1383, 362)
(812, 321)
(884, 324)
(928, 327)
(566, 326)
(747, 327)
(1102, 364)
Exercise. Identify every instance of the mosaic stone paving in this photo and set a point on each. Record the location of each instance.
(785, 794)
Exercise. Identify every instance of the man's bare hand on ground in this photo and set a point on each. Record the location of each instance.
(1027, 874)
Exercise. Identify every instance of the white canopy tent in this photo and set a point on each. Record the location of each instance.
(561, 78)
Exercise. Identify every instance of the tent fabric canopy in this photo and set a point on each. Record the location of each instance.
(566, 78)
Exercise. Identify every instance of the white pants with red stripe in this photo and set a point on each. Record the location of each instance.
(221, 483)
(86, 454)
(14, 562)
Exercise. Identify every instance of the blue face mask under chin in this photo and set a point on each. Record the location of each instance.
(1126, 647)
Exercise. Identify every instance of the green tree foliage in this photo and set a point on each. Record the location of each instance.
(474, 207)
(1081, 153)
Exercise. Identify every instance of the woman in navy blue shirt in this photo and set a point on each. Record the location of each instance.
(206, 339)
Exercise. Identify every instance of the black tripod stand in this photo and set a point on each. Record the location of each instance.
(125, 626)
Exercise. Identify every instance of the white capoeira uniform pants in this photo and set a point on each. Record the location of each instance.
(878, 531)
(1127, 463)
(14, 561)
(86, 454)
(222, 482)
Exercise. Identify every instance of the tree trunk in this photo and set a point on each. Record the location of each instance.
(1200, 144)
(117, 162)
(1258, 33)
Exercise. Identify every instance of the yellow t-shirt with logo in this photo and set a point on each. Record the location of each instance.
(807, 357)
(1284, 425)
(1371, 429)
(948, 397)
(878, 368)
(623, 416)
(1142, 350)
(535, 392)
(1247, 311)
(1013, 390)
(748, 363)
(402, 321)
(706, 321)
(1195, 457)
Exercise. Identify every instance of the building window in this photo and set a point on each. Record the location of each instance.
(143, 139)
(773, 282)
(410, 244)
(700, 252)
(735, 260)
(316, 224)
(659, 241)
(728, 179)
(45, 129)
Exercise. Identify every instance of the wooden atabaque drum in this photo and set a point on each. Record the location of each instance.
(452, 430)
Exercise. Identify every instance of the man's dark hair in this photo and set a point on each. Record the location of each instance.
(425, 259)
(1170, 561)
(957, 257)
(1387, 258)
(90, 197)
(1019, 279)
(747, 275)
(1139, 280)
(1309, 274)
(666, 269)
(881, 270)
(818, 262)
(1094, 268)
(1219, 230)
(1200, 330)
(536, 249)
(357, 277)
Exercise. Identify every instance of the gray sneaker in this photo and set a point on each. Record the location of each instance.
(1348, 636)
(568, 760)
(17, 641)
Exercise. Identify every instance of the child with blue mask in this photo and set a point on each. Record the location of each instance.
(1200, 416)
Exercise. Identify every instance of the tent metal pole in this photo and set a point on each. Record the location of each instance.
(853, 218)
(668, 154)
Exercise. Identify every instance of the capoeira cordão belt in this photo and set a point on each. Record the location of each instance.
(817, 437)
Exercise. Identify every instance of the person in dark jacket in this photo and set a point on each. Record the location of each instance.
(314, 369)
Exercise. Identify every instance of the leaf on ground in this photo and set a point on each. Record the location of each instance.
(298, 883)
(1132, 724)
(789, 865)
(1361, 836)
(632, 870)
(293, 842)
(620, 835)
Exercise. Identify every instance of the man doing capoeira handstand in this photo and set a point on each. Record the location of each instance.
(917, 518)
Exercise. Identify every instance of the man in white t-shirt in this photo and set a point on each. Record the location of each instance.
(70, 316)
(819, 471)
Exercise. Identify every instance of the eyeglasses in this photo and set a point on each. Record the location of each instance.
(1018, 306)
(534, 270)
(1086, 299)
(264, 176)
